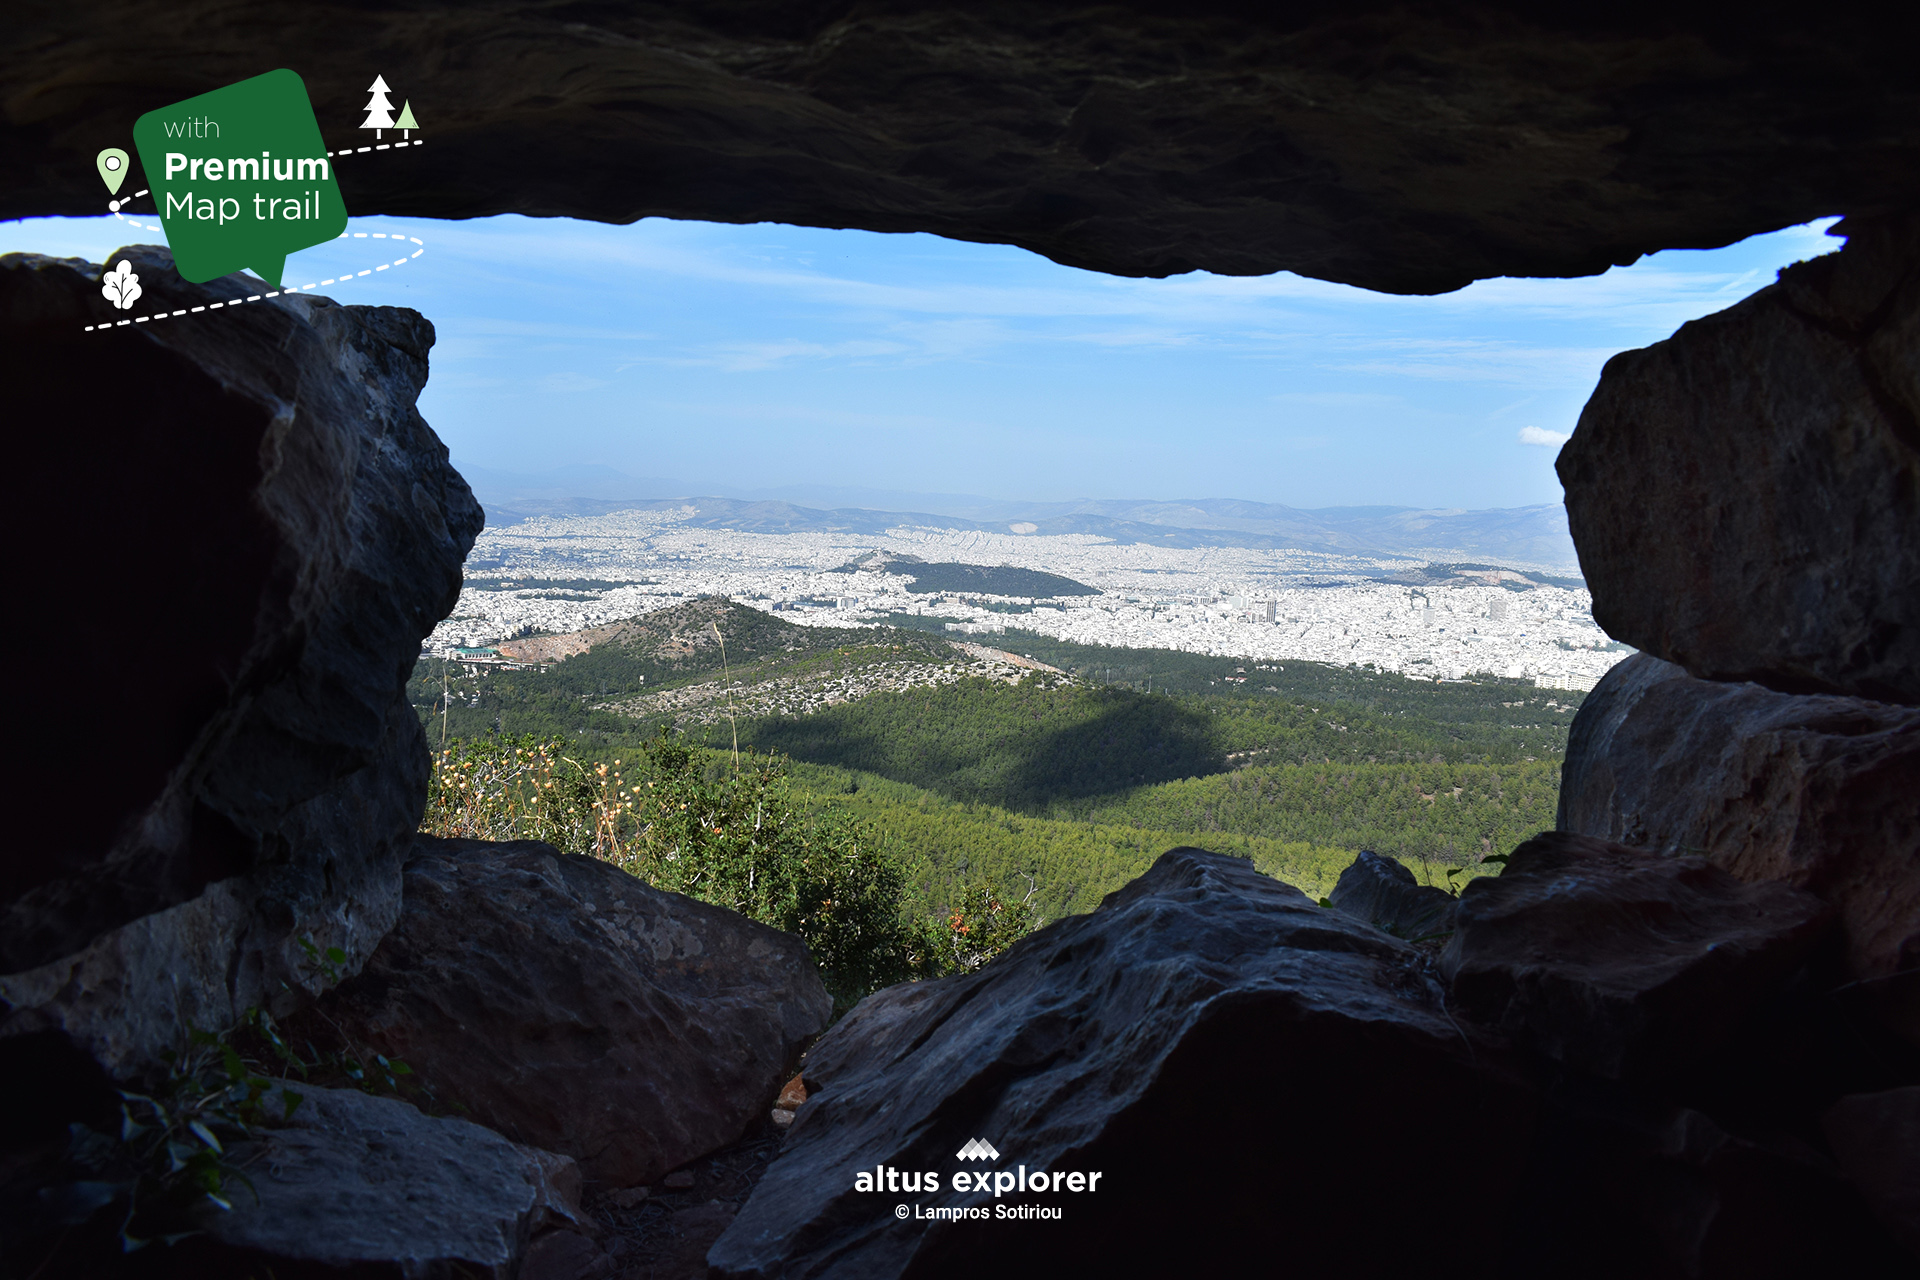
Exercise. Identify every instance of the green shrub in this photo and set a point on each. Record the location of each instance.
(733, 836)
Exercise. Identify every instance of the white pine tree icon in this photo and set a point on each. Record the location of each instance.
(379, 110)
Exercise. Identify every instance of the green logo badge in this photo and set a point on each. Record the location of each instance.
(240, 177)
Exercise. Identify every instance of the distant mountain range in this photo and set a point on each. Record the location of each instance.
(1523, 537)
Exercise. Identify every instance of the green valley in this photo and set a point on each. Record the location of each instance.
(1048, 771)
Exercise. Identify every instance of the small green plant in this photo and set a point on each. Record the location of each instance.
(978, 927)
(363, 1068)
(175, 1143)
(327, 965)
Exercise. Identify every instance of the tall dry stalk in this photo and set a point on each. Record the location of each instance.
(726, 674)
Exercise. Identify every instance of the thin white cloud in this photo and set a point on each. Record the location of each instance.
(1337, 399)
(744, 357)
(565, 382)
(1542, 436)
(1483, 360)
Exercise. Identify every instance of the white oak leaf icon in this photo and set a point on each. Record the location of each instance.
(121, 286)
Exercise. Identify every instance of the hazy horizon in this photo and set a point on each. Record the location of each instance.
(597, 480)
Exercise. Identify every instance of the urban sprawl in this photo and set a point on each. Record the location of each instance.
(1229, 601)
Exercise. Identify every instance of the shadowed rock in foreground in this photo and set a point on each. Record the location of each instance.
(1384, 894)
(283, 528)
(576, 1008)
(1620, 961)
(1246, 1072)
(1231, 1059)
(353, 1180)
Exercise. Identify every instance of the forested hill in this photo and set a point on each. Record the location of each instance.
(1046, 740)
(1019, 745)
(988, 771)
(996, 580)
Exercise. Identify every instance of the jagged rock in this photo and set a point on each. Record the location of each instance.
(1620, 961)
(1745, 496)
(1384, 894)
(1162, 1041)
(354, 1180)
(1821, 793)
(573, 1007)
(299, 530)
(1397, 147)
(1876, 1141)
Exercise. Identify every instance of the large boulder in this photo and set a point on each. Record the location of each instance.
(1208, 1052)
(1745, 496)
(575, 1008)
(1384, 893)
(295, 530)
(1622, 962)
(1820, 793)
(355, 1181)
(1411, 148)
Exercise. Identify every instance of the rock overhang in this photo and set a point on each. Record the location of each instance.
(1400, 149)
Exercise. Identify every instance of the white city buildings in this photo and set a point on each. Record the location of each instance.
(1215, 600)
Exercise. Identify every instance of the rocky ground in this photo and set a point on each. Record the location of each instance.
(664, 1232)
(816, 689)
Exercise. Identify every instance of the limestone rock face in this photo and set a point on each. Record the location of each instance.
(236, 769)
(1396, 147)
(1820, 793)
(1148, 1042)
(1745, 496)
(1619, 961)
(1384, 894)
(575, 1008)
(359, 1181)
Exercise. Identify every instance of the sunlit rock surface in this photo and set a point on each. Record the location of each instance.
(1745, 496)
(1821, 793)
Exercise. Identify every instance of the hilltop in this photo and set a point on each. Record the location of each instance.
(668, 666)
(939, 577)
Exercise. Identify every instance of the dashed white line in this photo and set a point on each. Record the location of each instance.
(114, 206)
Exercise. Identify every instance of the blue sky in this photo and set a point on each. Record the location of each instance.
(745, 358)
